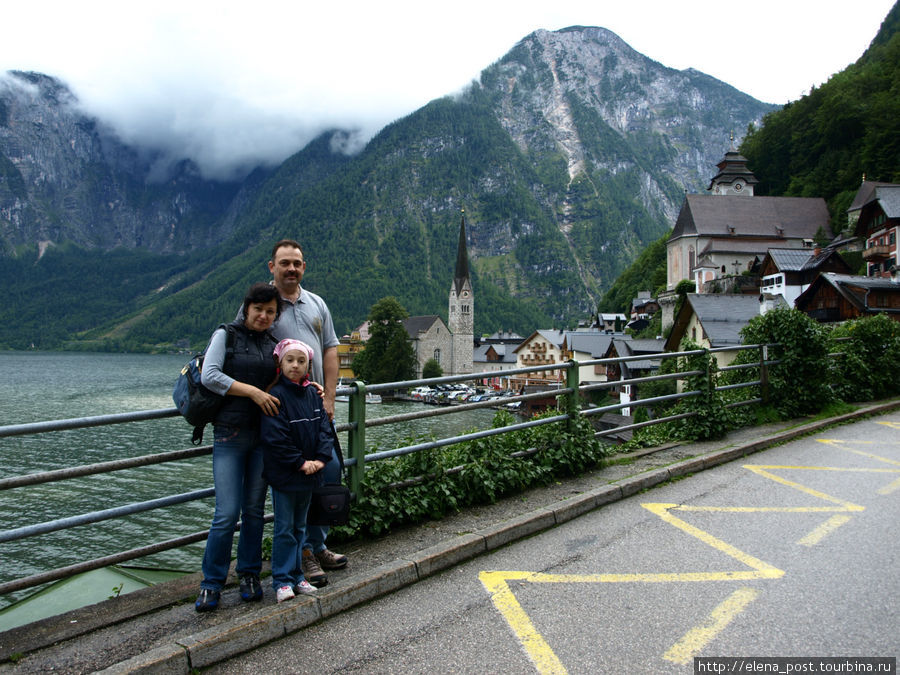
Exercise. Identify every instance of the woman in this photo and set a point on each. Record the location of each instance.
(238, 364)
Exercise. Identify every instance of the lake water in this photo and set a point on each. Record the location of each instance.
(40, 386)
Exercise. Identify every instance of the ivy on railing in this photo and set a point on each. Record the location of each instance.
(431, 483)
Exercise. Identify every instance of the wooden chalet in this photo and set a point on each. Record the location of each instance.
(876, 212)
(840, 297)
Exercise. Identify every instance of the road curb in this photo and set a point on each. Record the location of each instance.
(225, 640)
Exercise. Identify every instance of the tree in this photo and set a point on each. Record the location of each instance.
(388, 356)
(432, 369)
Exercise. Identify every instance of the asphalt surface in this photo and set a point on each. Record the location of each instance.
(157, 630)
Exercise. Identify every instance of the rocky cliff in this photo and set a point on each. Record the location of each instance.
(64, 177)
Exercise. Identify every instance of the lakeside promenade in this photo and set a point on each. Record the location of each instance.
(157, 629)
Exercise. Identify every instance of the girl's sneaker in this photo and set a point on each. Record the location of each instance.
(304, 588)
(284, 593)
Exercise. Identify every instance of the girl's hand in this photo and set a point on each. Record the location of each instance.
(312, 466)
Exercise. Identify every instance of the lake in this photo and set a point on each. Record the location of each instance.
(40, 386)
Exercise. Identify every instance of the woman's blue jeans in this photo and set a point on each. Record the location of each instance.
(287, 536)
(240, 493)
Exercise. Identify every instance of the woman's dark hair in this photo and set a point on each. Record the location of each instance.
(262, 293)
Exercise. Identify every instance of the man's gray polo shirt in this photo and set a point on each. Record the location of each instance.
(308, 320)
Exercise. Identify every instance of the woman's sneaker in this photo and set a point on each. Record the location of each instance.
(207, 601)
(284, 593)
(304, 588)
(250, 588)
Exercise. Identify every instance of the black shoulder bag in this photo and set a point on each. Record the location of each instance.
(330, 504)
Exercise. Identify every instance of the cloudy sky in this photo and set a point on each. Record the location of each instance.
(230, 84)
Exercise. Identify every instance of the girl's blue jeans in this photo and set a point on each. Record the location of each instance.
(287, 538)
(240, 494)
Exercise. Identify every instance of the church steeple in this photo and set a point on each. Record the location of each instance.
(462, 257)
(461, 308)
(734, 177)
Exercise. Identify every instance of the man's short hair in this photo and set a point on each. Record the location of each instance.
(285, 242)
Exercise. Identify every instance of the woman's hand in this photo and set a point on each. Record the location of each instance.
(312, 466)
(266, 402)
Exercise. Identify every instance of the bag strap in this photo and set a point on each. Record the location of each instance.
(340, 456)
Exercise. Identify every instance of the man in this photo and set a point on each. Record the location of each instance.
(306, 317)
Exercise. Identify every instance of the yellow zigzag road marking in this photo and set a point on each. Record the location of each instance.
(542, 656)
(823, 530)
(892, 425)
(684, 651)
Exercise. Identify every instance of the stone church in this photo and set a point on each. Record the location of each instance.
(451, 345)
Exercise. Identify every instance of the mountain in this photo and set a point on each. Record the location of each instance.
(823, 144)
(818, 146)
(569, 156)
(64, 177)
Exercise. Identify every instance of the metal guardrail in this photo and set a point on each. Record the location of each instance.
(569, 402)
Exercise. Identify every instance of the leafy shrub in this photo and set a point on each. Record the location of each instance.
(430, 483)
(710, 419)
(867, 368)
(798, 385)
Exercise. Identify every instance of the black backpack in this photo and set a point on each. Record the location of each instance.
(197, 404)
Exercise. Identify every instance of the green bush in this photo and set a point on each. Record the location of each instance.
(867, 368)
(798, 384)
(442, 480)
(710, 419)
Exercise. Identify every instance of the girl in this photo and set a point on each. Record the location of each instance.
(296, 444)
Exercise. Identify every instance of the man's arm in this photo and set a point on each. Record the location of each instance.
(330, 370)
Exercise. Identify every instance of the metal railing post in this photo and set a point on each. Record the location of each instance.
(764, 374)
(357, 437)
(571, 402)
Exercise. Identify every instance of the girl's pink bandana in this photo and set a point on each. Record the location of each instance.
(287, 345)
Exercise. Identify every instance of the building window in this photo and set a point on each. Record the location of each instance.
(437, 356)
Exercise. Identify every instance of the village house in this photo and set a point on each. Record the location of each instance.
(496, 354)
(542, 347)
(875, 217)
(349, 347)
(714, 321)
(644, 306)
(840, 297)
(625, 346)
(789, 271)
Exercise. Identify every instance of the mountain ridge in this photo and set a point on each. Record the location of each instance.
(570, 154)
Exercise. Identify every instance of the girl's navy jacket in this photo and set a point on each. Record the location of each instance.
(300, 431)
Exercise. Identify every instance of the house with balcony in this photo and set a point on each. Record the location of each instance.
(875, 213)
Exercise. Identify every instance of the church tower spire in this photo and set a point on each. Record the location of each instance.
(461, 312)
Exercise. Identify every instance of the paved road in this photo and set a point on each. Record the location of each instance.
(791, 552)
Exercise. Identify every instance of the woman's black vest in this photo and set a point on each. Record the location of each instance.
(248, 360)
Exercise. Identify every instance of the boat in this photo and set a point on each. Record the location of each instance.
(370, 398)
